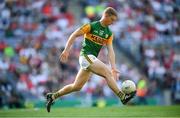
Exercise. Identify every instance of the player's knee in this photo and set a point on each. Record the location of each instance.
(108, 74)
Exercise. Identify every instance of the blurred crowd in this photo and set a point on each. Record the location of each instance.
(32, 35)
(34, 32)
(148, 32)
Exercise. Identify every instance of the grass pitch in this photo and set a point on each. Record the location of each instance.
(107, 112)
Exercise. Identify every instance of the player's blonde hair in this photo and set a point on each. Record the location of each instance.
(110, 11)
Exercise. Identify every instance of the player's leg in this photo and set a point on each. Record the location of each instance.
(101, 69)
(81, 78)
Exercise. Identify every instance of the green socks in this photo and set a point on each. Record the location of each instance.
(120, 94)
(55, 95)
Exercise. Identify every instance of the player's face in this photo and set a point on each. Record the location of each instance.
(110, 19)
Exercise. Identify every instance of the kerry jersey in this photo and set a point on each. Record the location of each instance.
(95, 36)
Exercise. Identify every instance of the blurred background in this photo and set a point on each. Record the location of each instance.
(34, 32)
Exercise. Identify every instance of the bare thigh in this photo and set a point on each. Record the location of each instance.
(82, 77)
(100, 68)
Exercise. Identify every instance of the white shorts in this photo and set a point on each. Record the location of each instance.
(86, 60)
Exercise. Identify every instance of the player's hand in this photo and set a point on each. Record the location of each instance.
(64, 56)
(116, 74)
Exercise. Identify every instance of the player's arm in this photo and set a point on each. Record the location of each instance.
(79, 32)
(111, 56)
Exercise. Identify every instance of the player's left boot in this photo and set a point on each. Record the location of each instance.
(50, 101)
(128, 97)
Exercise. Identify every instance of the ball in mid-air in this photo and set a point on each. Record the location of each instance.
(128, 86)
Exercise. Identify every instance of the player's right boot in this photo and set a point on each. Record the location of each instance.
(127, 97)
(50, 101)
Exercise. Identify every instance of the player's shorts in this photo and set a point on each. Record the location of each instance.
(86, 60)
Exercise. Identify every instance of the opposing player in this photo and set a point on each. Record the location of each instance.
(96, 35)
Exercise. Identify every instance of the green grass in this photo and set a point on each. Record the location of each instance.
(107, 112)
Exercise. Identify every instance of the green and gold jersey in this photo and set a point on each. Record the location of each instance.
(95, 36)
